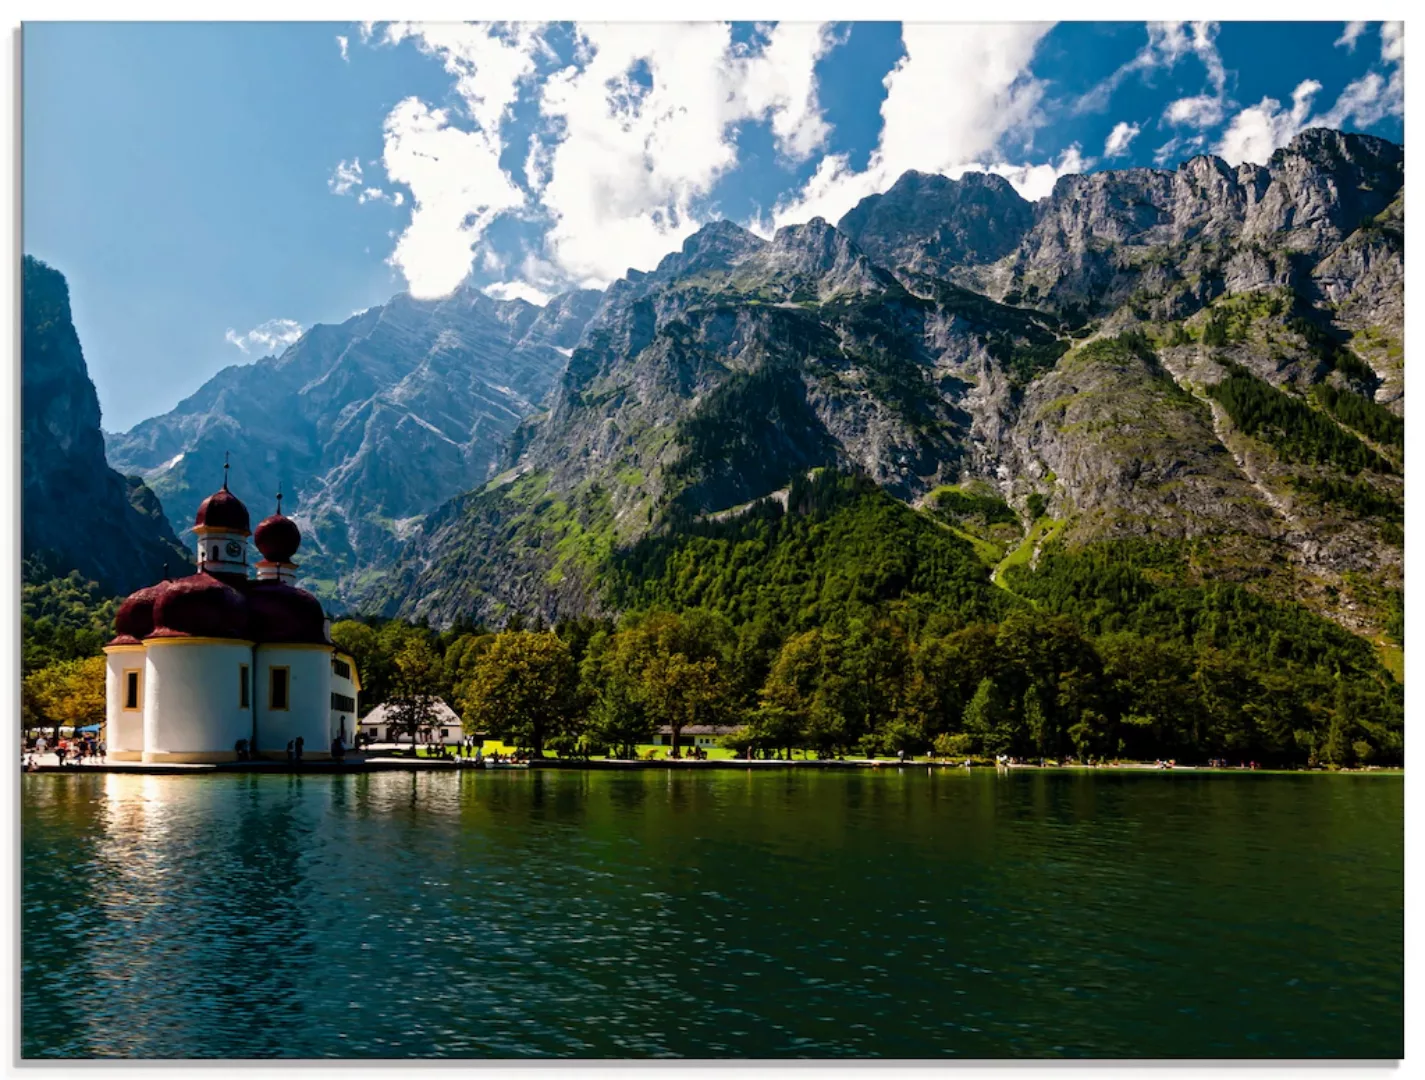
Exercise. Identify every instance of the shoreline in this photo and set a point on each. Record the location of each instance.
(49, 764)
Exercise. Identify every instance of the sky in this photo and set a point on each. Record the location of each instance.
(210, 190)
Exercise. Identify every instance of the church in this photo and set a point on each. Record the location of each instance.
(217, 662)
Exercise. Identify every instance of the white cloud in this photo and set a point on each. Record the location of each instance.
(346, 177)
(341, 43)
(1199, 111)
(517, 290)
(1257, 131)
(642, 128)
(457, 189)
(781, 82)
(637, 130)
(1392, 42)
(1179, 147)
(1348, 37)
(1119, 139)
(488, 60)
(958, 93)
(1366, 101)
(1168, 42)
(270, 338)
(1036, 181)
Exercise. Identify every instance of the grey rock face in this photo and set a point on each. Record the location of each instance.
(77, 513)
(876, 346)
(928, 224)
(368, 425)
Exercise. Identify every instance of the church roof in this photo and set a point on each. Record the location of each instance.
(222, 510)
(277, 538)
(228, 604)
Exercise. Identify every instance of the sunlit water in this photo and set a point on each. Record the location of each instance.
(717, 914)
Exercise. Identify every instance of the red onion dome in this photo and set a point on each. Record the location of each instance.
(283, 613)
(222, 510)
(278, 538)
(200, 606)
(134, 619)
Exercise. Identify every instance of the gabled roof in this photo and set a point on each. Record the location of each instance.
(444, 715)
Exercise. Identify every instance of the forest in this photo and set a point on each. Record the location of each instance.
(849, 623)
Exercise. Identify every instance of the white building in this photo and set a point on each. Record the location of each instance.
(700, 735)
(445, 727)
(204, 662)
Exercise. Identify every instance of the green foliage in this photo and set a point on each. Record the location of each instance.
(747, 436)
(1036, 504)
(856, 625)
(523, 689)
(1371, 420)
(842, 549)
(415, 688)
(1298, 431)
(1187, 667)
(1357, 497)
(956, 505)
(1214, 331)
(63, 618)
(66, 693)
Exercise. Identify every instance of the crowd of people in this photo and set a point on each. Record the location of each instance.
(85, 747)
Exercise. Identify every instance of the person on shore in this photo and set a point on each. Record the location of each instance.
(291, 751)
(298, 747)
(60, 752)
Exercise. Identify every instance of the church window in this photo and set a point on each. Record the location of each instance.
(242, 686)
(277, 688)
(131, 689)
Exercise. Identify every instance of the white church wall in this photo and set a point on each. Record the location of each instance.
(343, 718)
(193, 707)
(308, 712)
(123, 728)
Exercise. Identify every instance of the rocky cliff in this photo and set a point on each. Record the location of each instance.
(368, 425)
(76, 512)
(1207, 356)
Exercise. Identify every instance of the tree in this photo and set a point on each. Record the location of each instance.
(523, 688)
(411, 707)
(618, 718)
(773, 726)
(69, 693)
(676, 665)
(986, 718)
(1036, 723)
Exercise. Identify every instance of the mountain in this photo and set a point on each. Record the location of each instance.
(76, 512)
(1208, 360)
(367, 426)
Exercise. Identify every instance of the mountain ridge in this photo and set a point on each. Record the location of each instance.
(1073, 375)
(77, 513)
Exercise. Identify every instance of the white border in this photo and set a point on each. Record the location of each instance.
(618, 10)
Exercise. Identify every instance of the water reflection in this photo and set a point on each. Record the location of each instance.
(725, 914)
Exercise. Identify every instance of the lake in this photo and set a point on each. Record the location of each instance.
(903, 914)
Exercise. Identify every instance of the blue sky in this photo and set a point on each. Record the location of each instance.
(211, 189)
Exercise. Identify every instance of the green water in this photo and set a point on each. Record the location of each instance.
(718, 914)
